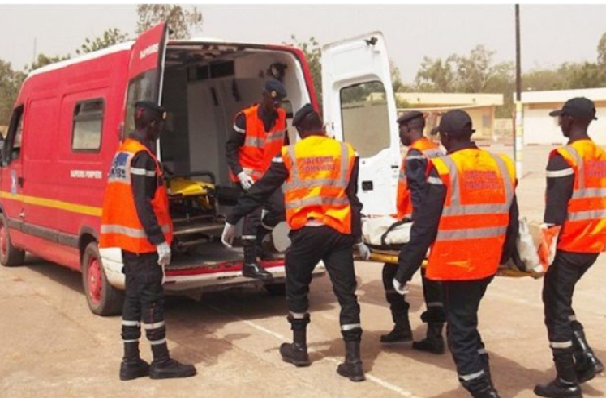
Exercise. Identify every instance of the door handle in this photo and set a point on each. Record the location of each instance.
(22, 214)
(20, 181)
(367, 185)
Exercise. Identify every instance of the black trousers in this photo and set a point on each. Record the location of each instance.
(461, 302)
(144, 299)
(432, 293)
(274, 214)
(558, 289)
(308, 246)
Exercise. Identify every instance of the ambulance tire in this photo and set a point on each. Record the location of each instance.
(10, 256)
(103, 299)
(276, 289)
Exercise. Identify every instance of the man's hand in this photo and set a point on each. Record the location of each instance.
(245, 180)
(363, 251)
(229, 232)
(163, 250)
(401, 288)
(548, 245)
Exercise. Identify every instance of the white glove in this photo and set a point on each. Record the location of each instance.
(401, 288)
(229, 232)
(163, 250)
(245, 180)
(363, 251)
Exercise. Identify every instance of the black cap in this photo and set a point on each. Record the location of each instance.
(455, 122)
(307, 118)
(407, 116)
(580, 107)
(155, 109)
(275, 88)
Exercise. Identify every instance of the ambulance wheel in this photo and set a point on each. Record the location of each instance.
(10, 256)
(276, 289)
(103, 298)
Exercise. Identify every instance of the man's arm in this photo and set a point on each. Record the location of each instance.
(144, 182)
(273, 179)
(424, 229)
(354, 202)
(416, 179)
(511, 236)
(560, 184)
(234, 142)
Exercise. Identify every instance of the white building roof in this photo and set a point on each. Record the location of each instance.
(535, 97)
(453, 99)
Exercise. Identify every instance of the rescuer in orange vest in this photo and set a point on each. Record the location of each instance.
(319, 176)
(136, 219)
(574, 233)
(258, 135)
(470, 220)
(412, 187)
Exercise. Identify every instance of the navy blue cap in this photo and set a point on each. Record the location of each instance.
(454, 123)
(580, 107)
(307, 118)
(407, 116)
(153, 107)
(275, 88)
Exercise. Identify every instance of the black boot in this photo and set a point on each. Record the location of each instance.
(486, 363)
(296, 352)
(251, 267)
(434, 342)
(263, 252)
(164, 367)
(565, 384)
(352, 367)
(587, 364)
(132, 365)
(401, 332)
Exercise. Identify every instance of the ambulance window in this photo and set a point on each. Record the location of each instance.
(141, 88)
(365, 117)
(12, 146)
(88, 125)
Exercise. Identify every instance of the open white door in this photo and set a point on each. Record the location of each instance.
(359, 108)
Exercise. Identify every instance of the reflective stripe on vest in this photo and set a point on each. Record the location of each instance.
(470, 236)
(584, 230)
(308, 193)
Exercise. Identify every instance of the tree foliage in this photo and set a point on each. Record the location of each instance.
(43, 60)
(180, 20)
(107, 39)
(10, 82)
(311, 50)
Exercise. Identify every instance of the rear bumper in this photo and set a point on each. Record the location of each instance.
(199, 277)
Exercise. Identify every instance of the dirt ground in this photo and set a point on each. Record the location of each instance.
(52, 346)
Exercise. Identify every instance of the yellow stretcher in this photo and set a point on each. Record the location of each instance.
(391, 256)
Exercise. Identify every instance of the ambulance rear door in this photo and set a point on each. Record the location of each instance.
(359, 108)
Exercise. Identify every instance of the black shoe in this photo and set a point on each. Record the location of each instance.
(295, 354)
(397, 335)
(558, 389)
(434, 345)
(169, 369)
(352, 367)
(256, 271)
(585, 371)
(130, 370)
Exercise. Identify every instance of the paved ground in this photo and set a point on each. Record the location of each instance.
(50, 344)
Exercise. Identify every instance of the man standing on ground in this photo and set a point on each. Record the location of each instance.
(470, 220)
(136, 219)
(319, 176)
(575, 223)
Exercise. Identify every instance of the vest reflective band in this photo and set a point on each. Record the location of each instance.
(120, 225)
(584, 230)
(472, 229)
(260, 147)
(429, 150)
(316, 189)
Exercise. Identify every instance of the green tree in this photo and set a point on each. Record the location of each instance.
(437, 75)
(43, 60)
(311, 50)
(544, 79)
(602, 50)
(10, 83)
(583, 75)
(107, 39)
(180, 20)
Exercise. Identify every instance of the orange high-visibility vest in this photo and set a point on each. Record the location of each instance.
(429, 150)
(120, 224)
(260, 147)
(472, 229)
(319, 172)
(584, 230)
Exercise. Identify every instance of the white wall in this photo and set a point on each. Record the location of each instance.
(541, 129)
